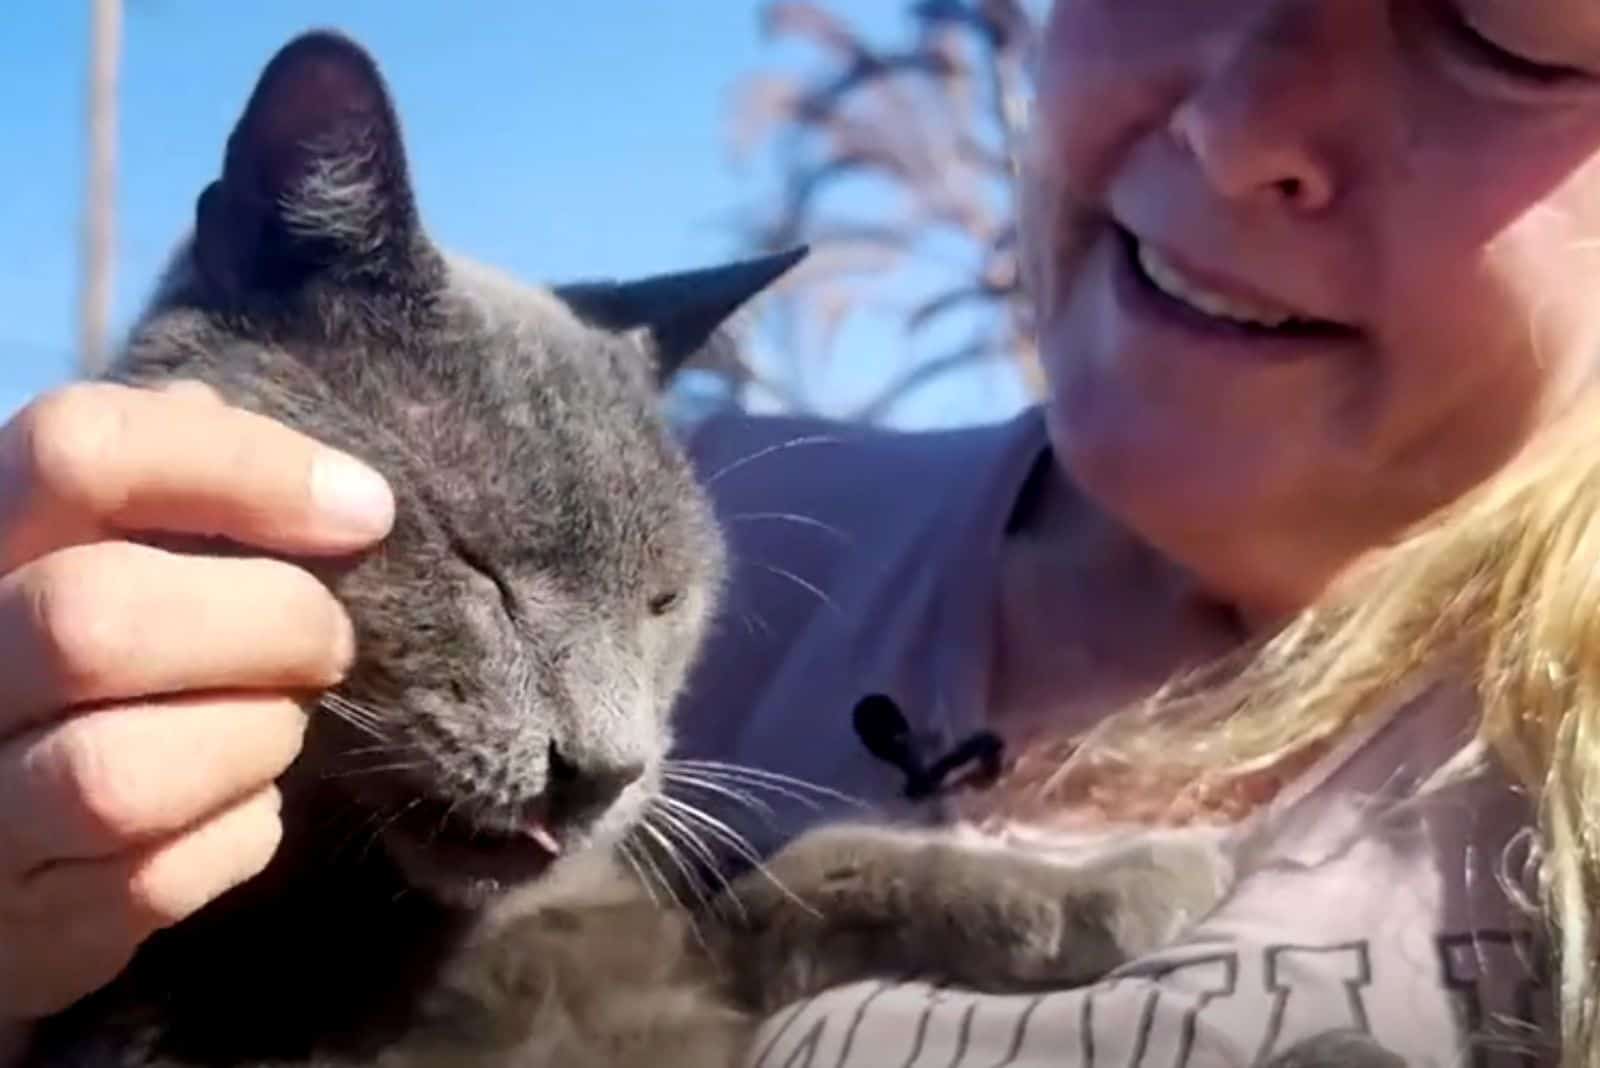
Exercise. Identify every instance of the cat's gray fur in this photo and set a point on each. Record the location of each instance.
(522, 636)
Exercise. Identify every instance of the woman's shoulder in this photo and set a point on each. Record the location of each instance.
(838, 500)
(817, 511)
(737, 451)
(855, 555)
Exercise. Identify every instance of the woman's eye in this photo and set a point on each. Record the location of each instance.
(664, 602)
(1485, 51)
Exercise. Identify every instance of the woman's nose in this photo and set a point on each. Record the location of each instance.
(1270, 116)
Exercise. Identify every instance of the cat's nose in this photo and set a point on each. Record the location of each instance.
(579, 791)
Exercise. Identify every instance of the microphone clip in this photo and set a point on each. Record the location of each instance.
(886, 734)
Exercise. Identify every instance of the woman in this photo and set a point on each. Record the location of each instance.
(1306, 271)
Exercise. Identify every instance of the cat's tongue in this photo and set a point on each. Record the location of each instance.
(542, 837)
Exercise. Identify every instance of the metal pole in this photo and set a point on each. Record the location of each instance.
(99, 208)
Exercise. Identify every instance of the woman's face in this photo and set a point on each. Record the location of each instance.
(1307, 269)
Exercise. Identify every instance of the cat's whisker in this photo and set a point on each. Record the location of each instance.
(701, 778)
(782, 446)
(752, 772)
(711, 786)
(715, 784)
(386, 824)
(369, 750)
(338, 852)
(717, 828)
(367, 832)
(661, 881)
(753, 623)
(665, 847)
(790, 517)
(356, 826)
(625, 851)
(444, 820)
(809, 587)
(348, 701)
(366, 720)
(355, 708)
(669, 847)
(754, 776)
(680, 830)
(369, 729)
(374, 718)
(685, 833)
(373, 769)
(735, 841)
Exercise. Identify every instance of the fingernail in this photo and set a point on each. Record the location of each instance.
(351, 496)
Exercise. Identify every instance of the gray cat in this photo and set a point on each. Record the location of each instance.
(449, 889)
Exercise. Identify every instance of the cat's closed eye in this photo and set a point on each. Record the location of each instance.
(664, 601)
(492, 575)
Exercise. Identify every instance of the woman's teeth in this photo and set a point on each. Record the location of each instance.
(1171, 281)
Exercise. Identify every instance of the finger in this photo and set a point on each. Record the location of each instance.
(175, 879)
(97, 458)
(104, 781)
(118, 621)
(73, 927)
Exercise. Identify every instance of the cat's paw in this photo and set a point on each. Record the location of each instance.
(1161, 884)
(844, 903)
(831, 864)
(837, 904)
(1018, 919)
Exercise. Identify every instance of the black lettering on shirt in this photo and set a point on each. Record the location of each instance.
(1499, 1016)
(807, 1051)
(1350, 963)
(1218, 977)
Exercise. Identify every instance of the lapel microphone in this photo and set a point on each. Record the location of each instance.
(886, 734)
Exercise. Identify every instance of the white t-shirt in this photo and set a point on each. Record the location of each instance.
(861, 562)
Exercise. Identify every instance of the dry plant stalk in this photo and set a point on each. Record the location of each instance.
(922, 134)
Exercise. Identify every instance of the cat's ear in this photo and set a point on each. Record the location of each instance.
(314, 179)
(678, 315)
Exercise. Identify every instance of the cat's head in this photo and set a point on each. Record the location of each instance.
(527, 626)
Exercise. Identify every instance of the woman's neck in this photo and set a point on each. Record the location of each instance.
(1089, 620)
(1087, 616)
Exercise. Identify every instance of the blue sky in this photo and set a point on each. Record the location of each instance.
(553, 139)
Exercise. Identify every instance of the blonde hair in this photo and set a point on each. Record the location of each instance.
(1500, 592)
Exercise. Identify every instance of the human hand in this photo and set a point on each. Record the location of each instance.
(149, 698)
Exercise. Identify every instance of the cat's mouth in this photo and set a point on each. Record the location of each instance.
(466, 859)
